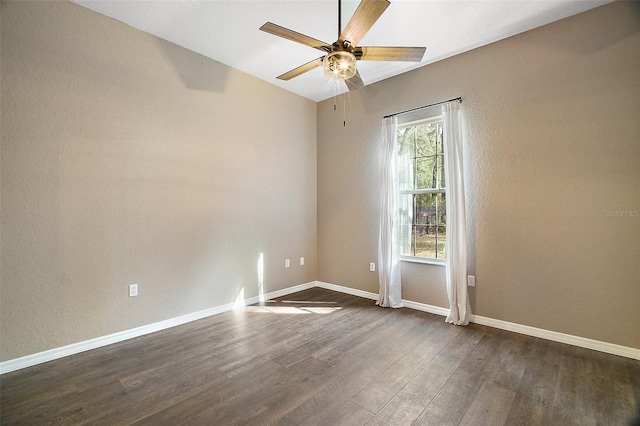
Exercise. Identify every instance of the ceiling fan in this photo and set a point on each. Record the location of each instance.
(339, 60)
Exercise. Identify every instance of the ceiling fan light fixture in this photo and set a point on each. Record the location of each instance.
(339, 60)
(339, 65)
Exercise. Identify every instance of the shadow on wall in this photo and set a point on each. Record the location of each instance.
(197, 72)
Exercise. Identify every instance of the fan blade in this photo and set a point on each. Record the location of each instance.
(301, 69)
(294, 36)
(403, 54)
(355, 82)
(363, 18)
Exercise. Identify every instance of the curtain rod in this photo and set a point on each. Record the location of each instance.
(459, 99)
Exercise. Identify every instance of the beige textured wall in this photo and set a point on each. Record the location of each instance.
(553, 143)
(126, 159)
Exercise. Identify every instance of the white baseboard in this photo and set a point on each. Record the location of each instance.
(426, 308)
(289, 290)
(374, 296)
(277, 293)
(52, 354)
(348, 290)
(554, 336)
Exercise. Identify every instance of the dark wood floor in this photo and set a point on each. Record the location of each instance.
(320, 357)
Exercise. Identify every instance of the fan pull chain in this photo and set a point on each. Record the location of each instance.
(344, 110)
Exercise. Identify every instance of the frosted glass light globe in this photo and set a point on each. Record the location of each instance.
(339, 65)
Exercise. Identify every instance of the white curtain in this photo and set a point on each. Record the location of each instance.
(456, 244)
(388, 242)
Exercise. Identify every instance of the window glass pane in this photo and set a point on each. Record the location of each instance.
(426, 173)
(440, 153)
(424, 243)
(429, 241)
(405, 224)
(439, 141)
(425, 140)
(406, 240)
(429, 230)
(440, 172)
(441, 202)
(405, 140)
(440, 242)
(405, 172)
(426, 209)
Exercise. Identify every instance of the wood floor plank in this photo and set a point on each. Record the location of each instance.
(615, 399)
(336, 386)
(426, 384)
(276, 401)
(568, 408)
(347, 341)
(511, 361)
(400, 336)
(322, 357)
(537, 389)
(456, 396)
(384, 387)
(154, 396)
(263, 404)
(349, 414)
(491, 406)
(397, 412)
(447, 408)
(198, 407)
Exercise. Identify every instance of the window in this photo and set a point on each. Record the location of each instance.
(422, 198)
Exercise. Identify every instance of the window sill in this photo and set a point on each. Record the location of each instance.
(422, 260)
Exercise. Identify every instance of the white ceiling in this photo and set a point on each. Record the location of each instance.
(227, 30)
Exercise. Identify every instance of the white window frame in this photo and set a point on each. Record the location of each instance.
(419, 259)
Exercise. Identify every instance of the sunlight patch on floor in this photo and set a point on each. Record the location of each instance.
(292, 310)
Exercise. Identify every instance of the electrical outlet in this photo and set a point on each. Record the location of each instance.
(471, 280)
(372, 267)
(133, 290)
(302, 261)
(287, 263)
